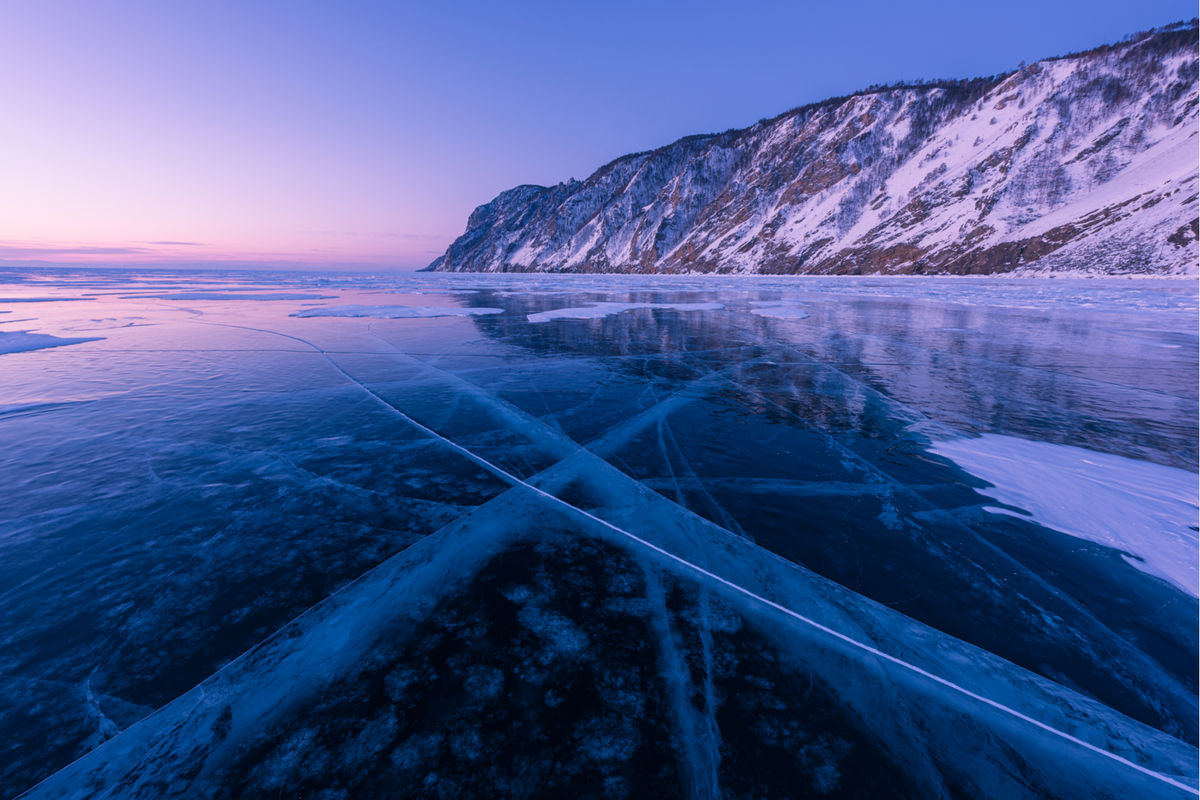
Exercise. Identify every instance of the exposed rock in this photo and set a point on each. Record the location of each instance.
(1086, 162)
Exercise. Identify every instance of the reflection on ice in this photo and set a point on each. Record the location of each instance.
(779, 310)
(598, 310)
(395, 312)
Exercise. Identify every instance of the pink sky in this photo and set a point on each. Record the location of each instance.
(362, 134)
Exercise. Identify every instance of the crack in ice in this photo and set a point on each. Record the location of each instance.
(516, 481)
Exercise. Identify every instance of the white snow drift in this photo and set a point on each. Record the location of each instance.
(1147, 511)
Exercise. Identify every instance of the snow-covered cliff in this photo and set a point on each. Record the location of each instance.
(1087, 162)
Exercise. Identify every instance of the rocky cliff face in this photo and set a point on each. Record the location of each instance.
(1087, 162)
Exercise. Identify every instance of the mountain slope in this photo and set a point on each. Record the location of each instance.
(1087, 162)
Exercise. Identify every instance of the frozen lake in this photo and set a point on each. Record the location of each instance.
(467, 535)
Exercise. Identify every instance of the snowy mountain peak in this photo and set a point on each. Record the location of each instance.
(1082, 163)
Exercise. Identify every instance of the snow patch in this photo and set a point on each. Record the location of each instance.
(1146, 510)
(24, 341)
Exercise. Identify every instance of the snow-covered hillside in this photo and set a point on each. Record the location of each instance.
(1082, 163)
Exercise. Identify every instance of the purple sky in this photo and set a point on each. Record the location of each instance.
(361, 134)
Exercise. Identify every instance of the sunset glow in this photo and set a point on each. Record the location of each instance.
(363, 135)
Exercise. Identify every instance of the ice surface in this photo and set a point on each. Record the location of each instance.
(320, 656)
(1146, 510)
(699, 553)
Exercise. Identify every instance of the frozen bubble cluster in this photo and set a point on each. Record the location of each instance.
(532, 535)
